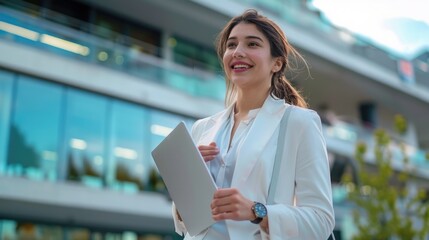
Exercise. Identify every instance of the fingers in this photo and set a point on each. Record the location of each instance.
(224, 192)
(209, 152)
(224, 197)
(211, 146)
(226, 215)
(228, 203)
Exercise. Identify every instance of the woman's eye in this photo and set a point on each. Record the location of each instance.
(231, 45)
(253, 44)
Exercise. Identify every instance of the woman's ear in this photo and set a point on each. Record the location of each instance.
(278, 64)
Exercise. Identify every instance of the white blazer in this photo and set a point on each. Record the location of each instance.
(302, 206)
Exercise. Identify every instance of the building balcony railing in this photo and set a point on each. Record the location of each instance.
(298, 14)
(343, 137)
(68, 42)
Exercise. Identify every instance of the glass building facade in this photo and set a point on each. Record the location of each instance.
(65, 134)
(56, 133)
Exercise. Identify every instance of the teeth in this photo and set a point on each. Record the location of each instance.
(240, 66)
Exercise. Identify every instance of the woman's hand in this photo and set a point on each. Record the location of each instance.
(228, 203)
(209, 152)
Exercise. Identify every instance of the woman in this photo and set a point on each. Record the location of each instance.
(239, 144)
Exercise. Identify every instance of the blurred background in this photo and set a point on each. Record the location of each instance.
(88, 88)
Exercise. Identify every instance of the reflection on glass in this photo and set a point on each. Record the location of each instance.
(34, 130)
(213, 87)
(78, 234)
(128, 170)
(14, 230)
(160, 126)
(6, 79)
(160, 130)
(27, 230)
(85, 126)
(184, 82)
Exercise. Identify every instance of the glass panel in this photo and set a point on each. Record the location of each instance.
(33, 147)
(29, 230)
(85, 137)
(214, 88)
(185, 83)
(70, 13)
(194, 55)
(77, 234)
(109, 26)
(8, 229)
(11, 230)
(189, 123)
(144, 38)
(17, 230)
(128, 170)
(6, 81)
(160, 126)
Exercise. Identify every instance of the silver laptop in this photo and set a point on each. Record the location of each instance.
(187, 178)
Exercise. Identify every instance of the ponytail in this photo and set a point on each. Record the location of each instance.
(282, 89)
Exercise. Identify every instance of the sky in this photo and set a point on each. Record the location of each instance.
(399, 26)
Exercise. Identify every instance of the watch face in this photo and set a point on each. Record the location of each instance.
(260, 210)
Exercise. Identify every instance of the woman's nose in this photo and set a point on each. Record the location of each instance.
(238, 52)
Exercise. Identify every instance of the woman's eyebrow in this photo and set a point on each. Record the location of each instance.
(247, 37)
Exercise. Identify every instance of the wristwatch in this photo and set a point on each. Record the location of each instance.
(260, 212)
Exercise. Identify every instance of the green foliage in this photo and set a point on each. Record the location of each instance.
(385, 207)
(401, 125)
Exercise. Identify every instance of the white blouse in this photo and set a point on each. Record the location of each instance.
(222, 167)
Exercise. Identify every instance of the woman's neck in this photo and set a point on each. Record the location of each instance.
(248, 100)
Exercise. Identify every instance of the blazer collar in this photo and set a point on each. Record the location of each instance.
(263, 127)
(214, 124)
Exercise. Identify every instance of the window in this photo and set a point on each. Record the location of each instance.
(148, 39)
(70, 13)
(161, 125)
(129, 151)
(34, 130)
(85, 137)
(6, 81)
(194, 55)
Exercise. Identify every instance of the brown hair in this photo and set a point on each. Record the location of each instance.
(280, 47)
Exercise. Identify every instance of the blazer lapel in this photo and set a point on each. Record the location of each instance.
(213, 126)
(260, 133)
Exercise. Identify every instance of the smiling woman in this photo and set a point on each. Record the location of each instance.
(240, 144)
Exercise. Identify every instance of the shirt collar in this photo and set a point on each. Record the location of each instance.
(250, 116)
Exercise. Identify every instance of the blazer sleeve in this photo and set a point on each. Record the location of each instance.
(179, 226)
(312, 214)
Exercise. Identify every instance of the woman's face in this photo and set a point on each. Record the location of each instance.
(247, 59)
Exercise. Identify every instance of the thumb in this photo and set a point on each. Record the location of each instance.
(213, 144)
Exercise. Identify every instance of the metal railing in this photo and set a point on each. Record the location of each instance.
(38, 32)
(351, 134)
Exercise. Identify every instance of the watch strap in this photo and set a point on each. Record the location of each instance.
(257, 220)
